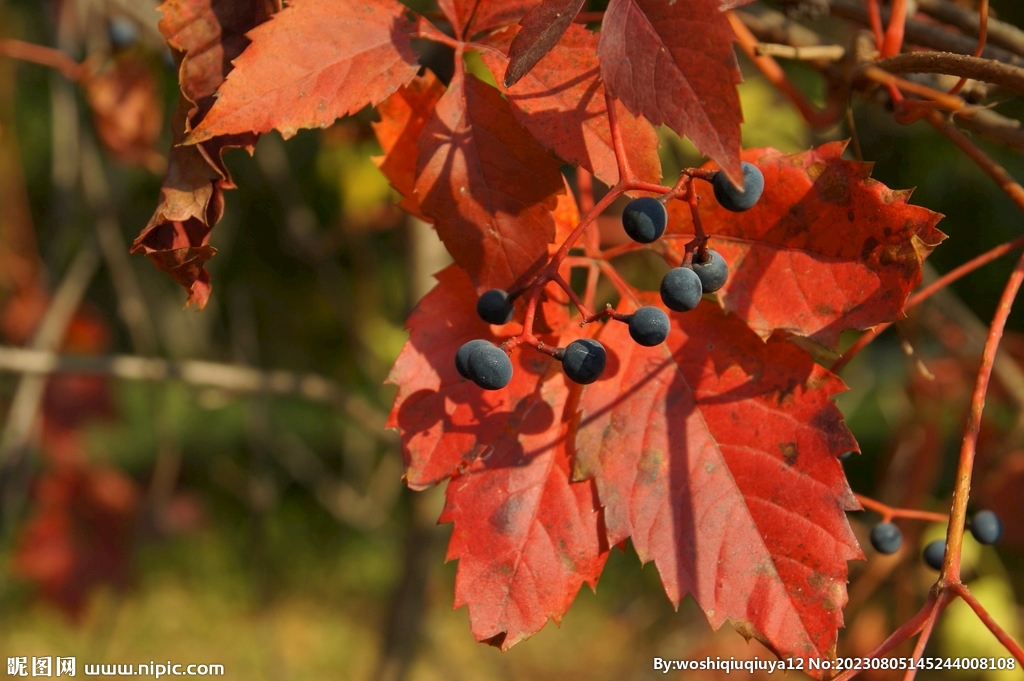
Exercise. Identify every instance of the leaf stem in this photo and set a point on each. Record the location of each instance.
(700, 239)
(889, 512)
(909, 628)
(893, 41)
(926, 633)
(1012, 646)
(617, 143)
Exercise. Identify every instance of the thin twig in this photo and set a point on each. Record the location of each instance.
(23, 415)
(999, 32)
(777, 77)
(238, 379)
(925, 35)
(1015, 649)
(812, 53)
(965, 66)
(45, 56)
(996, 127)
(943, 99)
(926, 633)
(889, 512)
(909, 628)
(130, 304)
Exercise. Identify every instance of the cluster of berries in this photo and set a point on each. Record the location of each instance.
(985, 526)
(490, 368)
(644, 220)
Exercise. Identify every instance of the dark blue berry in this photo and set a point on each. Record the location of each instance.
(681, 289)
(645, 219)
(584, 360)
(712, 272)
(731, 198)
(986, 527)
(489, 367)
(649, 326)
(886, 538)
(494, 307)
(934, 553)
(462, 356)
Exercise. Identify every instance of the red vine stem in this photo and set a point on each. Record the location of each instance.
(909, 628)
(982, 37)
(45, 56)
(1015, 649)
(928, 291)
(950, 573)
(926, 632)
(894, 31)
(889, 512)
(617, 143)
(875, 19)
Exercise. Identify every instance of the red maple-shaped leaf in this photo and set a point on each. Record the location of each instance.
(205, 35)
(316, 61)
(716, 453)
(561, 102)
(488, 186)
(447, 421)
(673, 62)
(402, 117)
(826, 249)
(471, 17)
(541, 29)
(525, 535)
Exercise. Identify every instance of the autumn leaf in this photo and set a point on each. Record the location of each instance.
(80, 536)
(445, 420)
(316, 61)
(716, 454)
(541, 29)
(127, 107)
(191, 202)
(471, 17)
(673, 63)
(561, 102)
(525, 535)
(205, 38)
(826, 249)
(488, 186)
(402, 117)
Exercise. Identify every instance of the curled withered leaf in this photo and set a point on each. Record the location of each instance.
(205, 39)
